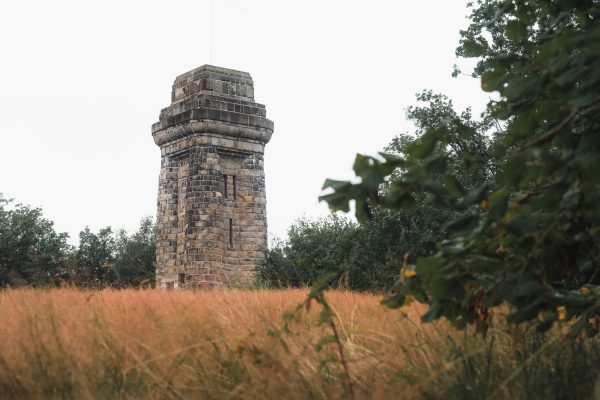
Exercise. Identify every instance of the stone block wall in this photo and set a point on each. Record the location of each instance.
(211, 209)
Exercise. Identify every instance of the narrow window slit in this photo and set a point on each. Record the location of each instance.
(230, 232)
(234, 187)
(225, 186)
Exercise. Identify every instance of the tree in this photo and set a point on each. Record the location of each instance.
(312, 249)
(135, 261)
(531, 236)
(95, 257)
(117, 259)
(424, 223)
(31, 252)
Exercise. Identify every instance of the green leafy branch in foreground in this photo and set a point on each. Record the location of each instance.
(532, 236)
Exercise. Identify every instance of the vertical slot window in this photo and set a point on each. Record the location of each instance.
(234, 179)
(225, 186)
(230, 232)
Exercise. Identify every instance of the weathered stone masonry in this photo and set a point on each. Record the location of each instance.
(212, 222)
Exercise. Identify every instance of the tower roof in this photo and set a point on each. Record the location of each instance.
(215, 100)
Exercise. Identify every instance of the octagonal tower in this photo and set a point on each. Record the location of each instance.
(211, 220)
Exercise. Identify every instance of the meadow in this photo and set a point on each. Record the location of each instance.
(130, 344)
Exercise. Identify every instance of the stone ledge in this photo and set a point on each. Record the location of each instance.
(216, 115)
(235, 131)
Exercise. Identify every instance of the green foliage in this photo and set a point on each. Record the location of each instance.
(362, 257)
(314, 248)
(95, 256)
(135, 262)
(529, 236)
(31, 252)
(117, 259)
(369, 256)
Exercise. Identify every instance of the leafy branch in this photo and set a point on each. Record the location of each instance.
(317, 294)
(527, 206)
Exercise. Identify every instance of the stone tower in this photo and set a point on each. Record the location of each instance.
(212, 222)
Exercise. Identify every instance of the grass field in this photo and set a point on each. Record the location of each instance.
(73, 344)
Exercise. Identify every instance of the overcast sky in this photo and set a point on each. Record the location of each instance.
(81, 82)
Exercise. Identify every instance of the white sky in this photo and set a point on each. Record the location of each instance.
(81, 82)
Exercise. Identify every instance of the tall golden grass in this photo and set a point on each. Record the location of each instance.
(68, 343)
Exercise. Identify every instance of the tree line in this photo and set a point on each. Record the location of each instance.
(32, 253)
(368, 256)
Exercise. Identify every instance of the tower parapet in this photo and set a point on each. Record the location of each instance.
(211, 216)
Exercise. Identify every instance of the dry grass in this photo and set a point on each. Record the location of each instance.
(159, 345)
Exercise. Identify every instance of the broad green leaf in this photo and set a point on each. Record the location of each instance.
(523, 86)
(520, 226)
(475, 196)
(337, 201)
(336, 185)
(453, 186)
(428, 265)
(433, 313)
(460, 223)
(480, 263)
(473, 48)
(498, 209)
(393, 159)
(363, 212)
(393, 301)
(526, 313)
(493, 79)
(516, 31)
(423, 147)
